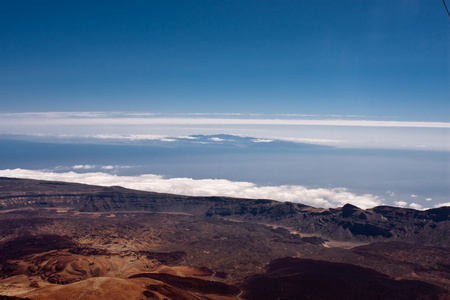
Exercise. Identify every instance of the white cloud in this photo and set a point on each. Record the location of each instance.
(392, 194)
(107, 167)
(132, 137)
(217, 139)
(91, 167)
(104, 118)
(415, 206)
(429, 199)
(401, 203)
(442, 204)
(110, 167)
(262, 140)
(414, 196)
(85, 167)
(311, 141)
(187, 137)
(319, 197)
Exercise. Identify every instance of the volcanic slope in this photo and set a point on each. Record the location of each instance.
(85, 242)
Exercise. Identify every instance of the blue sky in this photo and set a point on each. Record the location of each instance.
(319, 102)
(380, 59)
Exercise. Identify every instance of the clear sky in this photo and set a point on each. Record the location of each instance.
(379, 59)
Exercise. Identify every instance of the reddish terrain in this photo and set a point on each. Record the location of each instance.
(114, 243)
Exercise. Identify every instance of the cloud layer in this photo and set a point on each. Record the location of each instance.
(335, 131)
(319, 197)
(127, 119)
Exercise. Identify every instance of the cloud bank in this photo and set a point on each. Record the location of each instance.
(335, 131)
(127, 119)
(319, 197)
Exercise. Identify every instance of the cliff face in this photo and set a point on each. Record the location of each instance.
(23, 193)
(348, 223)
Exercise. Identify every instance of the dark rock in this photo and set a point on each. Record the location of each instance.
(291, 278)
(348, 210)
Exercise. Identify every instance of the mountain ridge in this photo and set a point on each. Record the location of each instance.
(347, 223)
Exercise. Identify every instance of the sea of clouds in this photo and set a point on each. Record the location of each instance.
(317, 197)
